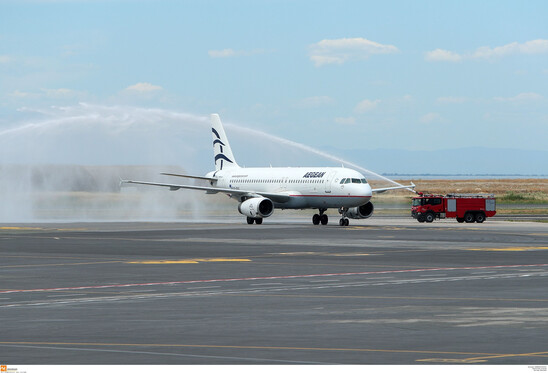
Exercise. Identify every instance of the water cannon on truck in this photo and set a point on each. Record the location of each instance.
(467, 208)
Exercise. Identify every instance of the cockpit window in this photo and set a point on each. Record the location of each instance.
(343, 181)
(364, 181)
(356, 181)
(347, 181)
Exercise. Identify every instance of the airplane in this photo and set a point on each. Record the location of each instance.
(260, 190)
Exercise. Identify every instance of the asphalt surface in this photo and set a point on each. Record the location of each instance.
(386, 291)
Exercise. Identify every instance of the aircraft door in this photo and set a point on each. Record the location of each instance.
(328, 181)
(283, 183)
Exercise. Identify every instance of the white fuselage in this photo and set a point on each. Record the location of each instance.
(308, 187)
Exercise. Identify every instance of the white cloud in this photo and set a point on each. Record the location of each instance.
(338, 51)
(45, 93)
(345, 121)
(222, 53)
(451, 100)
(5, 59)
(21, 94)
(430, 118)
(539, 46)
(522, 97)
(143, 88)
(366, 105)
(61, 93)
(443, 55)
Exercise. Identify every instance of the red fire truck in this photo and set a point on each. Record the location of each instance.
(465, 207)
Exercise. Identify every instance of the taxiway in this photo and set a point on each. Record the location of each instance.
(387, 291)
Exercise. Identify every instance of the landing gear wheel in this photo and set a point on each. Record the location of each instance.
(324, 219)
(429, 218)
(316, 219)
(469, 217)
(344, 222)
(480, 218)
(258, 220)
(250, 220)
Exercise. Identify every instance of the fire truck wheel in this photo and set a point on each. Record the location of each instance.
(480, 217)
(420, 219)
(469, 217)
(429, 217)
(460, 220)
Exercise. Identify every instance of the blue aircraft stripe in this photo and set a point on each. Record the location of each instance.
(222, 156)
(218, 142)
(216, 133)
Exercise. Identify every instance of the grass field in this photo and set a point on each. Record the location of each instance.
(528, 191)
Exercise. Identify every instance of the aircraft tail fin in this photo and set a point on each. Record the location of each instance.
(221, 147)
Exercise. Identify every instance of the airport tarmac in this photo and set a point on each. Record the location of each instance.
(381, 291)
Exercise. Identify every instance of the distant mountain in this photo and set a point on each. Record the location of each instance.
(473, 160)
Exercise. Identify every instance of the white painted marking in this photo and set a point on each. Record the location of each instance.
(381, 278)
(204, 287)
(64, 295)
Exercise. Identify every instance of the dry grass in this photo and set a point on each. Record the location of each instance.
(495, 186)
(527, 191)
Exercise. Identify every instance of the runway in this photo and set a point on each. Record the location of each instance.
(381, 291)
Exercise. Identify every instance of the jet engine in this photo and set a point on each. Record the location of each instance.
(361, 212)
(256, 207)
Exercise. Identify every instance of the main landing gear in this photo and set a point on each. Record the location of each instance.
(320, 218)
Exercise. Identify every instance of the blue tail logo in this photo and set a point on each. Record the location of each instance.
(221, 144)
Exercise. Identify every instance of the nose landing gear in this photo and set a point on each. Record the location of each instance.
(343, 222)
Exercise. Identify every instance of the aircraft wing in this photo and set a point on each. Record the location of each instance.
(276, 197)
(190, 176)
(382, 190)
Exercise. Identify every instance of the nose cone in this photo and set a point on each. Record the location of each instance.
(366, 190)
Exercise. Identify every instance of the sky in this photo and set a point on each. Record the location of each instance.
(413, 75)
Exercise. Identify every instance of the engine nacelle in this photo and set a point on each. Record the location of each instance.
(256, 207)
(361, 212)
